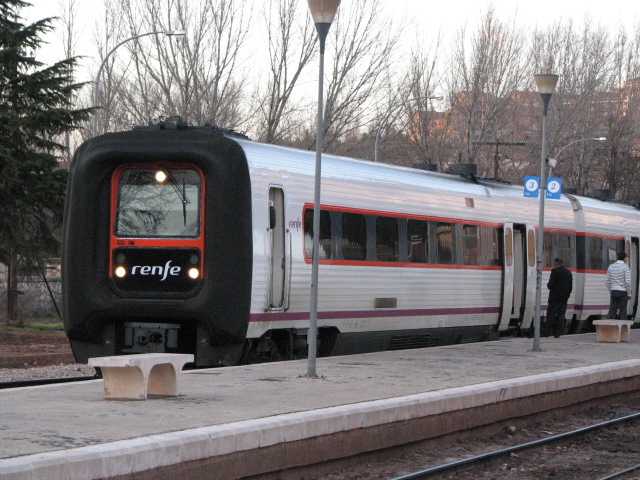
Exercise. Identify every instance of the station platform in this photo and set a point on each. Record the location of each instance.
(243, 421)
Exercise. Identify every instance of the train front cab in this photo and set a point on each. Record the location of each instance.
(157, 247)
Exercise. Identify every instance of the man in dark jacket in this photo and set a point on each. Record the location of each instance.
(560, 286)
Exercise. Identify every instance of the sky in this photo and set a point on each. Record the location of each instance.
(428, 16)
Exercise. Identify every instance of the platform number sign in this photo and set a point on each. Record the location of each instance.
(531, 187)
(554, 188)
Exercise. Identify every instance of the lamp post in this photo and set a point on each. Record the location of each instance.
(390, 111)
(96, 90)
(553, 161)
(546, 84)
(323, 13)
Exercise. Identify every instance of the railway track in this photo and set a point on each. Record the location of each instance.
(45, 381)
(594, 440)
(477, 461)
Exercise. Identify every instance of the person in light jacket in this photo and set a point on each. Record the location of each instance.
(618, 283)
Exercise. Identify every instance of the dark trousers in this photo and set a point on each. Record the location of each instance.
(555, 318)
(618, 303)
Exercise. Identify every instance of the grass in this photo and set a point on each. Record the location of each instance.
(45, 327)
(38, 327)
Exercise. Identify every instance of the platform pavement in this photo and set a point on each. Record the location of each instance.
(70, 431)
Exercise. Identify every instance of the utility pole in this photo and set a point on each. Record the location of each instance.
(497, 142)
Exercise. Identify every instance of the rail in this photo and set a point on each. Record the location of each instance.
(453, 466)
(46, 381)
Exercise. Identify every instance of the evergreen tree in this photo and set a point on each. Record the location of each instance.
(35, 110)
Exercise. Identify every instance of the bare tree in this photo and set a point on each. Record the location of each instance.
(108, 34)
(620, 161)
(69, 9)
(364, 43)
(200, 79)
(589, 102)
(291, 45)
(480, 80)
(428, 132)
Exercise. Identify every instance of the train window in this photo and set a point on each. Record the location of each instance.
(470, 244)
(354, 236)
(158, 203)
(565, 251)
(613, 247)
(325, 234)
(418, 241)
(489, 246)
(444, 238)
(387, 239)
(492, 246)
(595, 253)
(547, 250)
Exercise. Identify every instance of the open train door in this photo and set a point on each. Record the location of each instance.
(530, 274)
(507, 277)
(516, 275)
(631, 247)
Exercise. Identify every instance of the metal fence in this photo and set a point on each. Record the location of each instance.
(34, 296)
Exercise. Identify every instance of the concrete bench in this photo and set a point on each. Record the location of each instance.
(612, 331)
(136, 376)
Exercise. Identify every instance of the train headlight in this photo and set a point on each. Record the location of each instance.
(120, 272)
(194, 273)
(161, 176)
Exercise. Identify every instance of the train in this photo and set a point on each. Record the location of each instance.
(195, 239)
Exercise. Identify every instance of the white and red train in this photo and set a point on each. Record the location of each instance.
(197, 240)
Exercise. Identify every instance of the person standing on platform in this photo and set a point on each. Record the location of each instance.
(618, 283)
(560, 286)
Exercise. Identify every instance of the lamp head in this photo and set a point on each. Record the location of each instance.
(176, 33)
(546, 82)
(323, 11)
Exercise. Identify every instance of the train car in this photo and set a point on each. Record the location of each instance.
(198, 240)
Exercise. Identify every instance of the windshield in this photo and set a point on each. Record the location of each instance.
(158, 203)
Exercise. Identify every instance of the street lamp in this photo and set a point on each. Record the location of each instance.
(546, 84)
(323, 13)
(551, 162)
(96, 91)
(391, 110)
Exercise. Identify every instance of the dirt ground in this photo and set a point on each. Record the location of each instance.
(19, 347)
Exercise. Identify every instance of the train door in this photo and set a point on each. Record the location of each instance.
(278, 258)
(507, 277)
(515, 276)
(632, 252)
(529, 300)
(519, 268)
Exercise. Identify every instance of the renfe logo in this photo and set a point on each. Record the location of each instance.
(157, 270)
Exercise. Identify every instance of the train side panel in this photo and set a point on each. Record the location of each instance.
(373, 299)
(614, 227)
